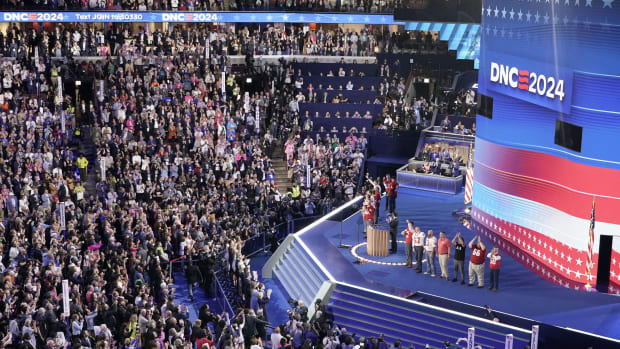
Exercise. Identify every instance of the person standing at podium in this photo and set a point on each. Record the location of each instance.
(392, 220)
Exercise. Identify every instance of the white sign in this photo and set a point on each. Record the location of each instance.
(102, 165)
(61, 208)
(471, 337)
(257, 123)
(509, 341)
(62, 120)
(308, 176)
(65, 297)
(547, 86)
(59, 89)
(534, 341)
(223, 83)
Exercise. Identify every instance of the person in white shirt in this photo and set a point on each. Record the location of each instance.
(418, 248)
(431, 250)
(275, 338)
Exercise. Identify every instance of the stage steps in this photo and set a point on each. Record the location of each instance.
(299, 276)
(370, 314)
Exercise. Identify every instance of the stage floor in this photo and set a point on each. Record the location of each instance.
(521, 292)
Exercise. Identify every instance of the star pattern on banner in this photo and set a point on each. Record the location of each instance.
(552, 259)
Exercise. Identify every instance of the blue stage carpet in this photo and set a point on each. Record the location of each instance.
(521, 292)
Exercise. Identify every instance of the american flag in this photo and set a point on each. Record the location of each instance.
(590, 247)
(469, 178)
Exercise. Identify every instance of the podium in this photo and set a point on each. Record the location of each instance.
(378, 240)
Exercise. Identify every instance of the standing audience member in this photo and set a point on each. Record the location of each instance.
(494, 261)
(459, 257)
(408, 234)
(430, 247)
(476, 261)
(418, 247)
(392, 220)
(443, 250)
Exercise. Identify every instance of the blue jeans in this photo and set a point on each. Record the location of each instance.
(409, 253)
(494, 278)
(430, 260)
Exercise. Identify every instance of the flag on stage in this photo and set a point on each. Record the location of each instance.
(469, 179)
(590, 247)
(466, 224)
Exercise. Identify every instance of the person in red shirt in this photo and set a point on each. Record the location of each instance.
(443, 249)
(387, 184)
(494, 258)
(368, 213)
(476, 261)
(377, 198)
(408, 234)
(391, 198)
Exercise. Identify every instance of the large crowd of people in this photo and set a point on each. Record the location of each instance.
(360, 6)
(169, 158)
(180, 171)
(84, 39)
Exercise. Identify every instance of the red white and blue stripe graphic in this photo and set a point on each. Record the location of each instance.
(540, 204)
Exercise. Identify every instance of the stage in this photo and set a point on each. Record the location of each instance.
(521, 292)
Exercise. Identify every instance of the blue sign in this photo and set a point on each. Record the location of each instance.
(198, 17)
(535, 82)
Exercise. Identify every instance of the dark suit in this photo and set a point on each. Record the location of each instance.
(393, 232)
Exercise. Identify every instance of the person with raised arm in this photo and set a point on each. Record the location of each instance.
(476, 261)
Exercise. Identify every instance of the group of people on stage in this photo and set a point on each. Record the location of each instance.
(372, 200)
(428, 247)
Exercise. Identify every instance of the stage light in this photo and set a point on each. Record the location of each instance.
(248, 80)
(427, 80)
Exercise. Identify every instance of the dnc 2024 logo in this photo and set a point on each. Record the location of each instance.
(525, 80)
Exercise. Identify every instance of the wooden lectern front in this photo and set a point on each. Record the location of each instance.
(378, 241)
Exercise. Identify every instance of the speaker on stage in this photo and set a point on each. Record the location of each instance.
(604, 263)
